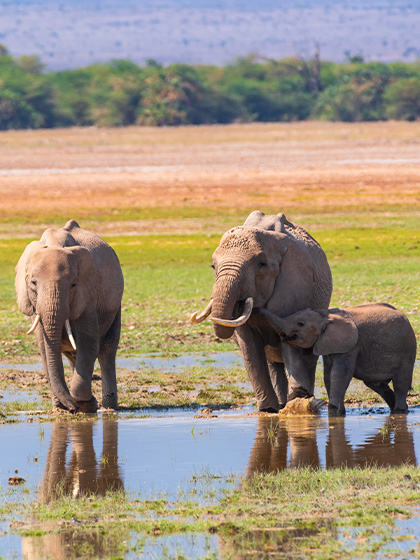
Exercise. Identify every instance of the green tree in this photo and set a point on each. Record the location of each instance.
(26, 100)
(171, 96)
(402, 99)
(355, 95)
(30, 64)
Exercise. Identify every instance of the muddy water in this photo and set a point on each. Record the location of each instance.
(172, 455)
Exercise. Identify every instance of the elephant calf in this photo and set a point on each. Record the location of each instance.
(372, 342)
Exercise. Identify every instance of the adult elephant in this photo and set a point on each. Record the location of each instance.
(70, 283)
(271, 263)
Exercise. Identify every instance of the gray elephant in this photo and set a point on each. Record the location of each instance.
(372, 342)
(71, 284)
(268, 262)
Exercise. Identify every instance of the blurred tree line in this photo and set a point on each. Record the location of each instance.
(122, 93)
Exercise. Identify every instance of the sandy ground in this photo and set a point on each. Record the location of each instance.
(298, 167)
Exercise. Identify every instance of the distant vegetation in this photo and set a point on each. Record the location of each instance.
(122, 93)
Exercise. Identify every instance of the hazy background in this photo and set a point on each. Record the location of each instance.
(79, 32)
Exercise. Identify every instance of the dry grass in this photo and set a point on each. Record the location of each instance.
(153, 179)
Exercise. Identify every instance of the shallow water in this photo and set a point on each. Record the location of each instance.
(175, 363)
(171, 455)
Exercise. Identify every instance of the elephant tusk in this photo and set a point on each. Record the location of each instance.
(203, 315)
(70, 334)
(249, 302)
(34, 324)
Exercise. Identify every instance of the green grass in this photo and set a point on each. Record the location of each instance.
(167, 277)
(299, 513)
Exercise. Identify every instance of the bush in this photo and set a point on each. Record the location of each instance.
(402, 99)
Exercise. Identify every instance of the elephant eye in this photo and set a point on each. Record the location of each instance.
(33, 282)
(262, 265)
(300, 324)
(74, 284)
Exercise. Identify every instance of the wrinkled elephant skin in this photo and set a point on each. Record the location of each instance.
(282, 268)
(70, 283)
(373, 342)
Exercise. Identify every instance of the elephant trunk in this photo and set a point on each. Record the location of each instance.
(228, 303)
(53, 323)
(276, 322)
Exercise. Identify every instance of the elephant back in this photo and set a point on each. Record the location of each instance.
(322, 278)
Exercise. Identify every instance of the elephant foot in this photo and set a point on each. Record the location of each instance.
(110, 401)
(269, 410)
(69, 406)
(400, 410)
(336, 411)
(298, 392)
(88, 407)
(61, 409)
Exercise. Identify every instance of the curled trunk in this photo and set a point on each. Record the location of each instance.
(226, 303)
(246, 313)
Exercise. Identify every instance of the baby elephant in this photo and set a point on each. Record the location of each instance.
(373, 342)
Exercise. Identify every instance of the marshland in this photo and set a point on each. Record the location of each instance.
(187, 467)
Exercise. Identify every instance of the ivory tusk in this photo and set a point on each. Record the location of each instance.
(203, 315)
(34, 324)
(249, 302)
(70, 334)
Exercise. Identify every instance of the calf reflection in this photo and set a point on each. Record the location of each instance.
(305, 441)
(391, 446)
(82, 473)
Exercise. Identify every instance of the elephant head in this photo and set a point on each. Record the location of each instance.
(54, 285)
(326, 331)
(256, 268)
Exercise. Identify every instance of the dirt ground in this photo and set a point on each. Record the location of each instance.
(300, 167)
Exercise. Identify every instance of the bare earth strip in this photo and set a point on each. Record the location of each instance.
(136, 180)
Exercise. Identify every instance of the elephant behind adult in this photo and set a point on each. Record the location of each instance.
(71, 284)
(268, 262)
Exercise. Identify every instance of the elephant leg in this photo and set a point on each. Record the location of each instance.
(252, 348)
(87, 342)
(107, 353)
(402, 384)
(385, 391)
(341, 374)
(279, 381)
(327, 373)
(301, 368)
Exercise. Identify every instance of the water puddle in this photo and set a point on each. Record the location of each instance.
(175, 363)
(176, 455)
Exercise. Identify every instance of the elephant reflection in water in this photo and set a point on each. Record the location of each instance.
(391, 446)
(292, 442)
(287, 443)
(82, 475)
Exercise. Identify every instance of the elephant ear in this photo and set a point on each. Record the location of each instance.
(21, 278)
(339, 336)
(88, 281)
(295, 278)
